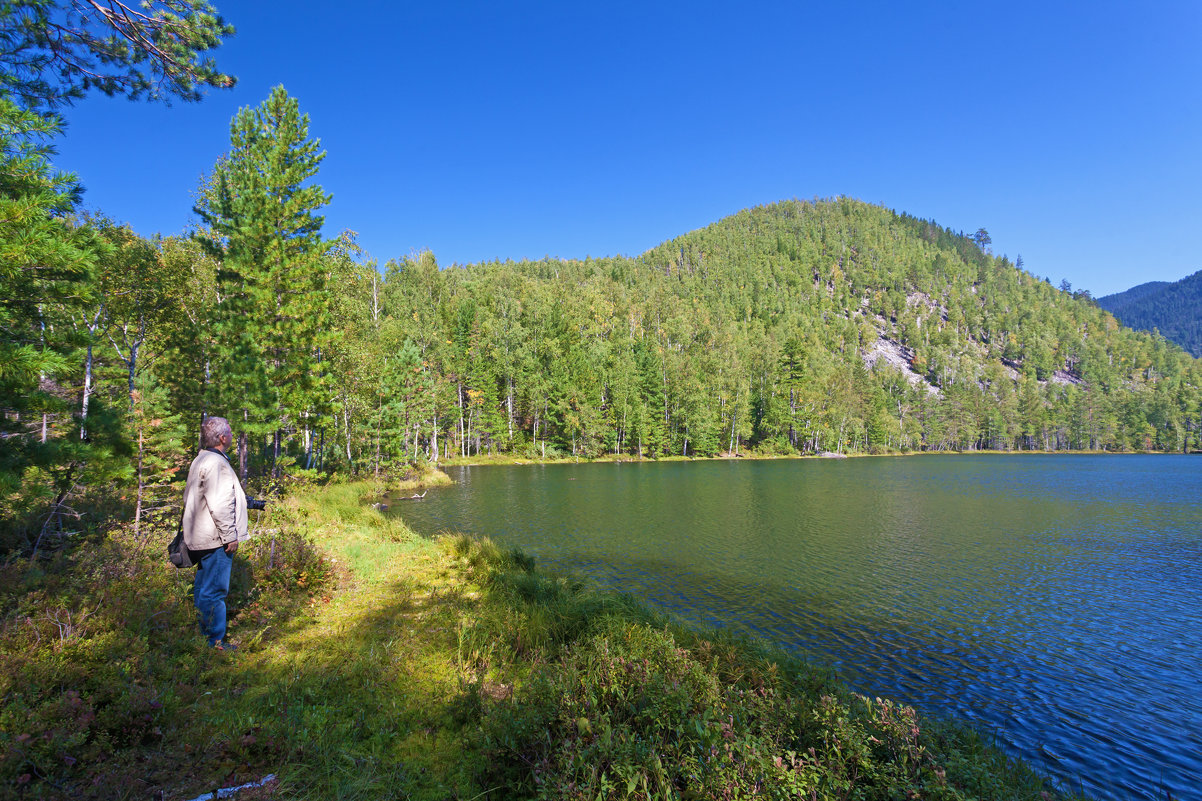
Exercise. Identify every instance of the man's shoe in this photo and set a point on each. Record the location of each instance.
(226, 646)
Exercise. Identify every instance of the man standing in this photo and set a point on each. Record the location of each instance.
(214, 523)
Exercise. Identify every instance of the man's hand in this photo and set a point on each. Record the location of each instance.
(231, 547)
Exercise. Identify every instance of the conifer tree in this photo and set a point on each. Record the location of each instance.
(182, 339)
(265, 229)
(160, 451)
(51, 52)
(46, 265)
(55, 50)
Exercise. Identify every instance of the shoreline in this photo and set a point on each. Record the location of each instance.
(505, 459)
(438, 668)
(547, 594)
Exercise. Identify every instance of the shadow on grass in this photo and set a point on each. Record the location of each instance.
(366, 695)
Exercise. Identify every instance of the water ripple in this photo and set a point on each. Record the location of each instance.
(1053, 600)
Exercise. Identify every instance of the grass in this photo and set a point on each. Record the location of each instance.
(379, 664)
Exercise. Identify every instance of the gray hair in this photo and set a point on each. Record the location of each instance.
(213, 430)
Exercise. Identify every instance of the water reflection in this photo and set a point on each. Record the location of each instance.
(1052, 599)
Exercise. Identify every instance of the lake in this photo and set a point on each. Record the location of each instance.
(1054, 600)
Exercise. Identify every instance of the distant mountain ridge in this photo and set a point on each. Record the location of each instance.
(1119, 300)
(1173, 308)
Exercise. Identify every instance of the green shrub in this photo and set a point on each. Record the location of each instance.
(631, 712)
(618, 702)
(102, 657)
(465, 673)
(285, 556)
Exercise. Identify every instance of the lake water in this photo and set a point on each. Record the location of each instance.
(1054, 600)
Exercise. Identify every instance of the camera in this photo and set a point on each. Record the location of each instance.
(256, 503)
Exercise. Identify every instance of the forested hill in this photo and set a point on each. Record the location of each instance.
(1175, 309)
(1113, 303)
(795, 327)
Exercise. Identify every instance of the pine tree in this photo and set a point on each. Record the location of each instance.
(160, 452)
(51, 52)
(55, 50)
(265, 229)
(46, 265)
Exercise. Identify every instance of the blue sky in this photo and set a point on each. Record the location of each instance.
(1070, 131)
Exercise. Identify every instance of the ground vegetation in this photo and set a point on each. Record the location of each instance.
(376, 663)
(379, 664)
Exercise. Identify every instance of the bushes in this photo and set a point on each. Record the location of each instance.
(102, 657)
(283, 556)
(620, 703)
(85, 671)
(461, 673)
(630, 712)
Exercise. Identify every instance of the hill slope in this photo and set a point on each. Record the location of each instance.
(797, 327)
(1175, 309)
(1119, 300)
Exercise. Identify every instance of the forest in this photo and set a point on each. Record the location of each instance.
(378, 663)
(1170, 309)
(800, 327)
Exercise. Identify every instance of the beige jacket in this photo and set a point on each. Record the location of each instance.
(214, 503)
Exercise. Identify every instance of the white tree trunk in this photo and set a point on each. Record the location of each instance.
(87, 394)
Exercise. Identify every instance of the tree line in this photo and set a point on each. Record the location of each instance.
(793, 328)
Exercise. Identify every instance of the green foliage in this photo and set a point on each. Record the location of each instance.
(56, 50)
(76, 689)
(54, 442)
(282, 558)
(271, 324)
(105, 668)
(1172, 309)
(622, 704)
(66, 286)
(792, 328)
(426, 670)
(45, 265)
(161, 456)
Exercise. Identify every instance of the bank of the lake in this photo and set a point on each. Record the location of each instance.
(378, 663)
(486, 459)
(1050, 599)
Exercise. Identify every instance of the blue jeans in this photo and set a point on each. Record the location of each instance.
(209, 591)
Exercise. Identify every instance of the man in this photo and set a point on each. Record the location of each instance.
(214, 523)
